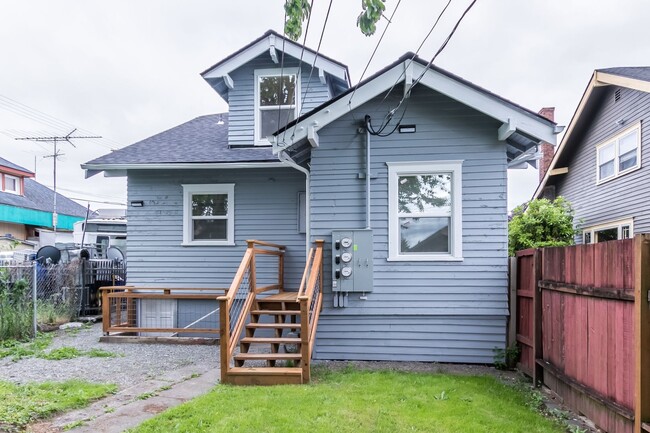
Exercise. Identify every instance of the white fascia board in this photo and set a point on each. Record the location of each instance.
(290, 48)
(487, 105)
(341, 106)
(604, 79)
(93, 169)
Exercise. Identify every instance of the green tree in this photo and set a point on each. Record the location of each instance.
(541, 223)
(298, 11)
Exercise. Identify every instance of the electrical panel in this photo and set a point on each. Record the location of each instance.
(352, 260)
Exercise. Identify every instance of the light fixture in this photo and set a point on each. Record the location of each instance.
(220, 121)
(406, 129)
(137, 203)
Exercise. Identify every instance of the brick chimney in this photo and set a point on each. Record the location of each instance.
(547, 149)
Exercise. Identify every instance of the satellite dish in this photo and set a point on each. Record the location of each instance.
(48, 255)
(115, 254)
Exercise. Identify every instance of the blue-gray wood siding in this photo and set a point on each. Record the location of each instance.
(241, 99)
(627, 196)
(428, 311)
(266, 208)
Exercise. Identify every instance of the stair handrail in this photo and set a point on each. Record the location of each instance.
(239, 298)
(311, 300)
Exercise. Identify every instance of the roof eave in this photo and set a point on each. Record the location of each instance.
(119, 170)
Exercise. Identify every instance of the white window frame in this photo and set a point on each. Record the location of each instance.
(11, 191)
(396, 169)
(615, 140)
(217, 188)
(263, 141)
(618, 224)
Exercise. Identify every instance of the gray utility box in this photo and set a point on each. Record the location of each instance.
(352, 260)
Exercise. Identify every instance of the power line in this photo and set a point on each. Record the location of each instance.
(55, 140)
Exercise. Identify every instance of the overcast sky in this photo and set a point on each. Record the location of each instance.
(128, 69)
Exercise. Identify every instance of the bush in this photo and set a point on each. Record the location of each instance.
(16, 315)
(541, 223)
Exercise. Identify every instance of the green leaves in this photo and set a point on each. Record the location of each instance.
(543, 223)
(297, 11)
(371, 14)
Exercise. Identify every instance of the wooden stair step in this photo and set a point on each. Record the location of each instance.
(267, 356)
(274, 325)
(277, 312)
(264, 376)
(289, 297)
(282, 340)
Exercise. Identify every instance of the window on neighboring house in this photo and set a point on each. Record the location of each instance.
(276, 101)
(208, 214)
(425, 210)
(608, 232)
(12, 184)
(620, 154)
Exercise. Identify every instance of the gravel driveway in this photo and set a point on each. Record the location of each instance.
(134, 363)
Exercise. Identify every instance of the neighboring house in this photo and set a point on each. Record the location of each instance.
(437, 215)
(602, 165)
(26, 206)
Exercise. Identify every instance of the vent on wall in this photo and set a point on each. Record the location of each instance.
(617, 95)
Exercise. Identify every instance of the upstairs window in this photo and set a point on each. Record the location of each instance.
(615, 230)
(208, 214)
(11, 184)
(425, 211)
(276, 101)
(619, 154)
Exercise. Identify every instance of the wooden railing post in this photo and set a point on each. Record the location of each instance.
(642, 332)
(305, 337)
(106, 311)
(224, 337)
(281, 271)
(253, 272)
(538, 348)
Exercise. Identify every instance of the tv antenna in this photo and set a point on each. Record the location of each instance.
(55, 140)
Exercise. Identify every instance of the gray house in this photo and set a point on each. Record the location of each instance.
(602, 165)
(403, 176)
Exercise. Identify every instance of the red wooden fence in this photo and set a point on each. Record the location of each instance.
(581, 321)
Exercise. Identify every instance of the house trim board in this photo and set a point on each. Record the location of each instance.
(93, 169)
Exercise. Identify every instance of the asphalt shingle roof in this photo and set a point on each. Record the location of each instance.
(40, 197)
(635, 72)
(9, 164)
(201, 140)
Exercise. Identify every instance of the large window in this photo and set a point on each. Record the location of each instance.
(208, 214)
(276, 101)
(425, 210)
(619, 154)
(608, 232)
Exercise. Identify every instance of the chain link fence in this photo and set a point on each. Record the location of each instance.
(35, 296)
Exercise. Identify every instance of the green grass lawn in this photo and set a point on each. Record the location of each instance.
(22, 404)
(360, 402)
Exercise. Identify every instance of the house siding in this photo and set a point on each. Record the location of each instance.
(155, 231)
(623, 197)
(426, 311)
(241, 99)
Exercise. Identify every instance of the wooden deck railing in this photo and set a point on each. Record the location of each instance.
(120, 308)
(310, 297)
(235, 305)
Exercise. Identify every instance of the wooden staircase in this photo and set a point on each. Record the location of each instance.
(267, 333)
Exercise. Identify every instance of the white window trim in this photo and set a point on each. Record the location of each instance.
(396, 169)
(263, 141)
(217, 188)
(12, 191)
(615, 139)
(618, 224)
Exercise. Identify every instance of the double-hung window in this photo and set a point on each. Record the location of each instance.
(276, 101)
(208, 214)
(12, 184)
(619, 154)
(425, 211)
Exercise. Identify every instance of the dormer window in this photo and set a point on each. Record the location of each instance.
(276, 101)
(11, 184)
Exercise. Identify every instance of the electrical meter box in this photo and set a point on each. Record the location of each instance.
(352, 260)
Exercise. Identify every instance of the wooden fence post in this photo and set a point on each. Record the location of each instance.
(642, 333)
(512, 320)
(538, 349)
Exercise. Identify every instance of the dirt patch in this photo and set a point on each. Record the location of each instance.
(42, 427)
(154, 408)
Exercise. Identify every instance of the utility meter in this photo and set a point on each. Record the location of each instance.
(352, 260)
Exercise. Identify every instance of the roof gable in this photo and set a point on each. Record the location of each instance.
(274, 44)
(636, 78)
(517, 122)
(7, 166)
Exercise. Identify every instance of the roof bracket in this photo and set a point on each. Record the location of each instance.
(321, 76)
(507, 129)
(272, 51)
(228, 81)
(312, 136)
(408, 79)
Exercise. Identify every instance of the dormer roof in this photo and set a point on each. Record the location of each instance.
(14, 169)
(274, 44)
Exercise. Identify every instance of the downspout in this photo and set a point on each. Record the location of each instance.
(367, 119)
(286, 159)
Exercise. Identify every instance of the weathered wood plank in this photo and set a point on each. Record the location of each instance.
(642, 331)
(596, 292)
